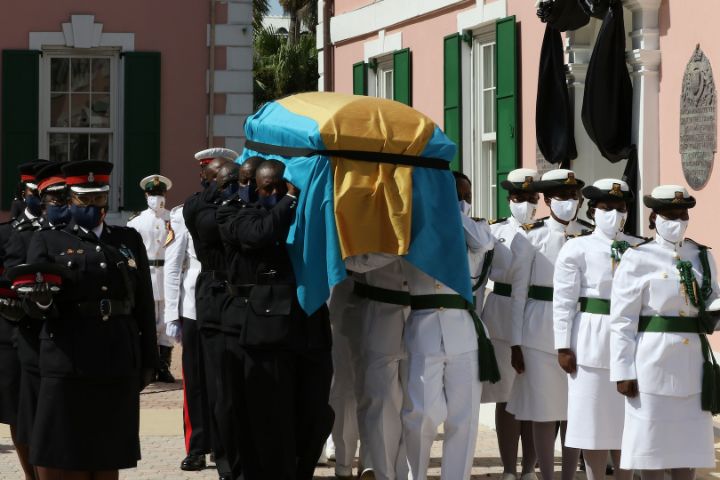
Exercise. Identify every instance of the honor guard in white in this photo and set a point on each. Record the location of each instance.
(446, 342)
(181, 271)
(539, 393)
(153, 225)
(660, 356)
(510, 274)
(583, 278)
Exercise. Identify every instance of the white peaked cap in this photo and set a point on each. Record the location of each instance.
(217, 153)
(667, 192)
(520, 175)
(607, 184)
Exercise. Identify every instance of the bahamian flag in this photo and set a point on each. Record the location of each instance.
(403, 202)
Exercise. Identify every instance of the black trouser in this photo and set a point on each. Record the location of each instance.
(196, 410)
(280, 404)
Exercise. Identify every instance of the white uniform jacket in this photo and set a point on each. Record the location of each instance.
(511, 265)
(536, 330)
(181, 271)
(647, 282)
(585, 268)
(153, 230)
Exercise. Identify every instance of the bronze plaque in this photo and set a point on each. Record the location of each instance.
(698, 121)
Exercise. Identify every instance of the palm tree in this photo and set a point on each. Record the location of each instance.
(301, 12)
(260, 10)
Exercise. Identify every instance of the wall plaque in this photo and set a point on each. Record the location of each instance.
(698, 121)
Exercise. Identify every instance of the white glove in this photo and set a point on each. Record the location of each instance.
(174, 330)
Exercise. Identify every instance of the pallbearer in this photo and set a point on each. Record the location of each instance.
(584, 277)
(660, 355)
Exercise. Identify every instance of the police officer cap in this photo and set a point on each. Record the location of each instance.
(50, 178)
(24, 277)
(608, 189)
(28, 171)
(88, 176)
(521, 179)
(560, 177)
(206, 156)
(155, 184)
(669, 196)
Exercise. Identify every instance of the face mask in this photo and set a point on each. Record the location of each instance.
(671, 230)
(156, 202)
(464, 207)
(269, 201)
(564, 210)
(229, 191)
(245, 193)
(610, 222)
(523, 212)
(33, 204)
(87, 217)
(58, 214)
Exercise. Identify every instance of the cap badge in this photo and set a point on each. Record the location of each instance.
(571, 179)
(156, 181)
(39, 278)
(527, 182)
(616, 190)
(678, 197)
(91, 177)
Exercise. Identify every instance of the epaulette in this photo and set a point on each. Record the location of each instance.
(641, 239)
(646, 241)
(170, 234)
(497, 220)
(699, 245)
(134, 215)
(585, 223)
(532, 226)
(477, 219)
(582, 233)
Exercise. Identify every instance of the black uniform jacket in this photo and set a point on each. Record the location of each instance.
(102, 324)
(262, 279)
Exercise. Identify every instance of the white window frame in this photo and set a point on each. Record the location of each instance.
(483, 145)
(116, 114)
(376, 85)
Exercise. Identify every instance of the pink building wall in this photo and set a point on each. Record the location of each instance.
(178, 31)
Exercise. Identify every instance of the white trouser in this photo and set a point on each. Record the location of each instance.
(442, 389)
(381, 400)
(162, 338)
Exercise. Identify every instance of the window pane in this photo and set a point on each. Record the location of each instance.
(80, 75)
(59, 110)
(101, 75)
(100, 147)
(80, 110)
(79, 146)
(59, 74)
(58, 147)
(489, 111)
(488, 66)
(100, 111)
(389, 94)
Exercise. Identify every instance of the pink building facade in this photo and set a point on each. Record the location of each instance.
(128, 82)
(457, 49)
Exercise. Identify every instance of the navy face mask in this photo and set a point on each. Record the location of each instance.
(58, 214)
(33, 204)
(87, 217)
(270, 201)
(229, 191)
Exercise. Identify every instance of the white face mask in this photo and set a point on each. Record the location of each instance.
(610, 222)
(523, 212)
(671, 230)
(464, 207)
(564, 210)
(156, 202)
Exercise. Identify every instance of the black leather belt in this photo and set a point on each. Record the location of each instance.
(239, 290)
(156, 263)
(104, 308)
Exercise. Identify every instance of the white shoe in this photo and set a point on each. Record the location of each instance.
(323, 460)
(367, 474)
(330, 451)
(529, 476)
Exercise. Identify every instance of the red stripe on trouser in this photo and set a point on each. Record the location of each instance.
(187, 426)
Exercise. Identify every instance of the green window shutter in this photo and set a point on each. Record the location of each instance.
(506, 106)
(360, 86)
(402, 76)
(452, 98)
(20, 105)
(142, 124)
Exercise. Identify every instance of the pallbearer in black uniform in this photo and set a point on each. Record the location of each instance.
(97, 343)
(281, 366)
(26, 218)
(199, 214)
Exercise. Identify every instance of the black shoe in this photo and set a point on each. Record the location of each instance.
(165, 376)
(225, 477)
(193, 463)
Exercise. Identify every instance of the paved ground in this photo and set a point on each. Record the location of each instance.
(163, 446)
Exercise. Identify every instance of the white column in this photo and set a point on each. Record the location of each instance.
(645, 61)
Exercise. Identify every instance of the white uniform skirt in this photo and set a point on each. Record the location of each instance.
(540, 393)
(500, 392)
(596, 411)
(666, 432)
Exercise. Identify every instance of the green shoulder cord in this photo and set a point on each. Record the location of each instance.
(487, 263)
(711, 369)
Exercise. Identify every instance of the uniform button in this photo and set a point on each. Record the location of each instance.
(105, 318)
(103, 265)
(103, 288)
(97, 248)
(52, 335)
(267, 310)
(69, 264)
(437, 286)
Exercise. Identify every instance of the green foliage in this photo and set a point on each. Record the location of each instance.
(281, 68)
(260, 10)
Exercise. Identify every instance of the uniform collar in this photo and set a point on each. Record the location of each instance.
(668, 245)
(600, 234)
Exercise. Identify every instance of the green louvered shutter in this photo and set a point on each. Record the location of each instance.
(20, 104)
(360, 86)
(452, 98)
(506, 107)
(142, 124)
(402, 76)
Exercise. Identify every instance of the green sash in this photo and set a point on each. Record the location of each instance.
(599, 306)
